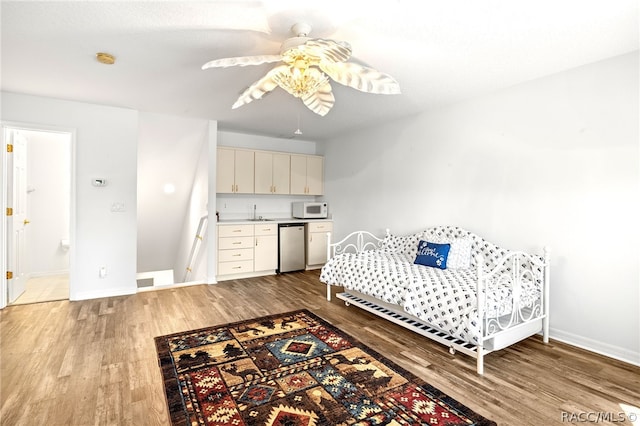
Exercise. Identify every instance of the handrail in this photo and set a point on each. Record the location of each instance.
(195, 247)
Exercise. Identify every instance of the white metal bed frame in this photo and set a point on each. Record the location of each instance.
(495, 333)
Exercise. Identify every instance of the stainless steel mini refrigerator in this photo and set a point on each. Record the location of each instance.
(291, 253)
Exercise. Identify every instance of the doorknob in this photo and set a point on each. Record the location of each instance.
(26, 222)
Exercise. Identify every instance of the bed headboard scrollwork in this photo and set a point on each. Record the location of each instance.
(355, 242)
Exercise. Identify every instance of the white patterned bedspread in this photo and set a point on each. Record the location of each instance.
(444, 298)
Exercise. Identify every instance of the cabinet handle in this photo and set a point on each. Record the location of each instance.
(237, 230)
(236, 242)
(237, 267)
(232, 188)
(236, 188)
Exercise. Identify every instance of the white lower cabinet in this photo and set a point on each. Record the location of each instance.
(316, 247)
(235, 249)
(247, 250)
(265, 255)
(251, 249)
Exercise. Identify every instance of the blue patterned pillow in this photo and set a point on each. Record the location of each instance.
(432, 254)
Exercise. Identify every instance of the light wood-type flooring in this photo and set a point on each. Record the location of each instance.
(94, 362)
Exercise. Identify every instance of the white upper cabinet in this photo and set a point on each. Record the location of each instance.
(246, 171)
(307, 175)
(235, 171)
(271, 172)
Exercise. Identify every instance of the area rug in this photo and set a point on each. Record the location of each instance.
(294, 369)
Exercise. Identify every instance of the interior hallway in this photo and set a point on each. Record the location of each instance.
(45, 289)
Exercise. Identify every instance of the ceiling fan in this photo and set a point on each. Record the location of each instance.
(308, 63)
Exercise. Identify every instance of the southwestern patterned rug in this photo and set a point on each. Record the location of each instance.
(294, 369)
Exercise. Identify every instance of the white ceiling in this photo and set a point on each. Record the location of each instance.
(439, 51)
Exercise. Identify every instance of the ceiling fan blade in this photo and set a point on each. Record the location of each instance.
(259, 88)
(242, 61)
(320, 101)
(361, 78)
(329, 50)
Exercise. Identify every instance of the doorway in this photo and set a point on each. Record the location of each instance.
(37, 193)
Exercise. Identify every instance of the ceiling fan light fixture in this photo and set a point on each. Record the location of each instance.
(299, 67)
(301, 83)
(308, 65)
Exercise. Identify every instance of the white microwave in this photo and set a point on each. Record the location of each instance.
(309, 210)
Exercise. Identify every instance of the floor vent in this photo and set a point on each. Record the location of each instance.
(145, 282)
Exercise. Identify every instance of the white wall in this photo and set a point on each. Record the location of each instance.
(212, 234)
(196, 209)
(48, 200)
(550, 162)
(105, 147)
(169, 149)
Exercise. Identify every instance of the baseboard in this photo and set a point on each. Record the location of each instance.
(112, 292)
(166, 286)
(611, 351)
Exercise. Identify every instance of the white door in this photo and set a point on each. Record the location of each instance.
(17, 195)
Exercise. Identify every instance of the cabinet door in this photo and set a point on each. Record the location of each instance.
(317, 242)
(225, 171)
(263, 173)
(315, 175)
(298, 174)
(281, 173)
(244, 171)
(316, 248)
(265, 255)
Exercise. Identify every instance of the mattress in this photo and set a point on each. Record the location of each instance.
(444, 298)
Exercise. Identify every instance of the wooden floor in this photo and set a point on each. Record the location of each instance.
(94, 362)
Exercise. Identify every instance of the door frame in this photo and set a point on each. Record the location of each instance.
(4, 237)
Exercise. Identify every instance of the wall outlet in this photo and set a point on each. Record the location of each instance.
(102, 272)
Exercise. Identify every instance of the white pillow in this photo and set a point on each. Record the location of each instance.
(407, 244)
(459, 254)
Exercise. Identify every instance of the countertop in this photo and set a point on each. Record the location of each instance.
(269, 220)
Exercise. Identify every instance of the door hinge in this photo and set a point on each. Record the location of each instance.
(9, 275)
(9, 211)
(9, 147)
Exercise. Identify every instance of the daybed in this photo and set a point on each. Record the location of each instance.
(475, 297)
